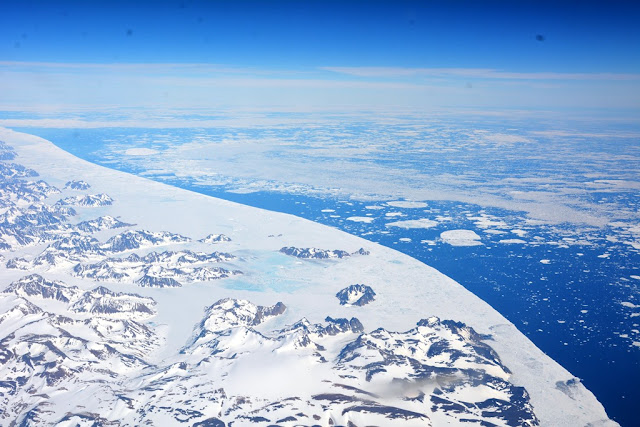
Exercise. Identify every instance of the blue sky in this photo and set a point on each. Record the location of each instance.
(412, 54)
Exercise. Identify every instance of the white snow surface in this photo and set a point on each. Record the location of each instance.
(407, 290)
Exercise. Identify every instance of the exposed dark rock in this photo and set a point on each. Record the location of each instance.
(134, 239)
(210, 422)
(388, 411)
(361, 251)
(313, 253)
(90, 200)
(36, 285)
(158, 282)
(12, 170)
(342, 325)
(77, 185)
(6, 151)
(356, 295)
(101, 223)
(215, 238)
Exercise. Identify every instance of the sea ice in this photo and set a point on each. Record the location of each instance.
(413, 223)
(461, 238)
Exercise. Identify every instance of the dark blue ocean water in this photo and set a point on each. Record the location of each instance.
(569, 305)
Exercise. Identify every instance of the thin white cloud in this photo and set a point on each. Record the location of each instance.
(26, 84)
(565, 134)
(480, 73)
(369, 72)
(148, 68)
(250, 82)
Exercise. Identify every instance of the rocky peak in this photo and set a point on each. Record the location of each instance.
(215, 238)
(35, 285)
(76, 184)
(313, 253)
(356, 295)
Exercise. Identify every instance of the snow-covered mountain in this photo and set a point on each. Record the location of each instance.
(102, 223)
(439, 373)
(77, 245)
(88, 200)
(436, 371)
(98, 301)
(314, 253)
(356, 295)
(77, 184)
(215, 238)
(83, 338)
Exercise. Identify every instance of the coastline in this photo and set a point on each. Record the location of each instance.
(399, 280)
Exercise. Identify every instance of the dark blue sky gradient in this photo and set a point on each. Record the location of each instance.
(578, 36)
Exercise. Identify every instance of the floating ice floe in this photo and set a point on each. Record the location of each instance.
(140, 152)
(461, 238)
(413, 223)
(366, 219)
(407, 204)
(512, 241)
